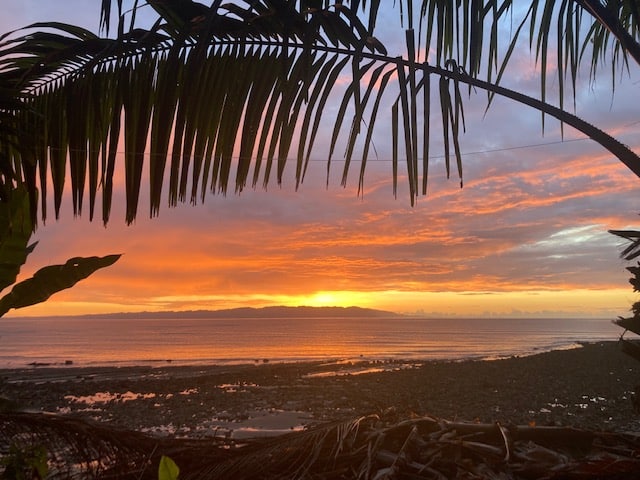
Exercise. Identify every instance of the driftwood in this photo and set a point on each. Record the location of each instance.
(372, 447)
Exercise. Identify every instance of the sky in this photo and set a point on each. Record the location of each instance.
(526, 236)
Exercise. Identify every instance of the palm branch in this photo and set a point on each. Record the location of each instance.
(370, 447)
(381, 447)
(79, 449)
(222, 97)
(572, 31)
(632, 250)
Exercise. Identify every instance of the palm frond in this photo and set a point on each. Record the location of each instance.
(209, 76)
(327, 448)
(215, 98)
(598, 30)
(77, 449)
(370, 447)
(632, 250)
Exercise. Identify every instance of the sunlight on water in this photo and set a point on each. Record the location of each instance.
(114, 341)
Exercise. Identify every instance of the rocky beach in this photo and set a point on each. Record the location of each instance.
(590, 387)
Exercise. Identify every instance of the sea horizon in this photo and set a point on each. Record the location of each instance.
(115, 341)
(307, 311)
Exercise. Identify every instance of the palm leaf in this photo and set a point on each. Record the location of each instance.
(162, 122)
(372, 121)
(325, 87)
(328, 448)
(407, 124)
(77, 449)
(612, 34)
(632, 250)
(370, 447)
(210, 82)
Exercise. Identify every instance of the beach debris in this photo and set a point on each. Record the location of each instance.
(237, 387)
(106, 397)
(376, 448)
(372, 447)
(77, 449)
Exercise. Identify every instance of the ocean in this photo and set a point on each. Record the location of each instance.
(147, 341)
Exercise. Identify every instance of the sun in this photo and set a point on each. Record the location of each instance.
(324, 299)
(336, 298)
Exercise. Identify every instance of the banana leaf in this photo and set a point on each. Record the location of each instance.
(52, 279)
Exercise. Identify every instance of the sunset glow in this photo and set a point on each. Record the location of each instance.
(526, 236)
(539, 304)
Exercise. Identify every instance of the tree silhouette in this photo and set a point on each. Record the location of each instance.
(224, 96)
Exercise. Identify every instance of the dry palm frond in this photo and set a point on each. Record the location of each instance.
(78, 449)
(74, 449)
(328, 451)
(428, 448)
(371, 447)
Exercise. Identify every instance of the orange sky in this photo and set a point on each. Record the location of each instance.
(527, 236)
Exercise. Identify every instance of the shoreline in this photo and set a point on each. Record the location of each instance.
(226, 362)
(589, 387)
(36, 372)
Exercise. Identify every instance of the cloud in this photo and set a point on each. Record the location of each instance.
(510, 229)
(526, 233)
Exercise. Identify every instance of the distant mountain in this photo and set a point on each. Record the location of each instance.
(250, 312)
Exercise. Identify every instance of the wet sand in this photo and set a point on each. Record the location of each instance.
(590, 387)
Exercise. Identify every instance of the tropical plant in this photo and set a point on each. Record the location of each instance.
(370, 447)
(167, 469)
(632, 323)
(15, 232)
(209, 91)
(18, 200)
(27, 463)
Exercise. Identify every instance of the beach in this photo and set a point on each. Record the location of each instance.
(591, 387)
